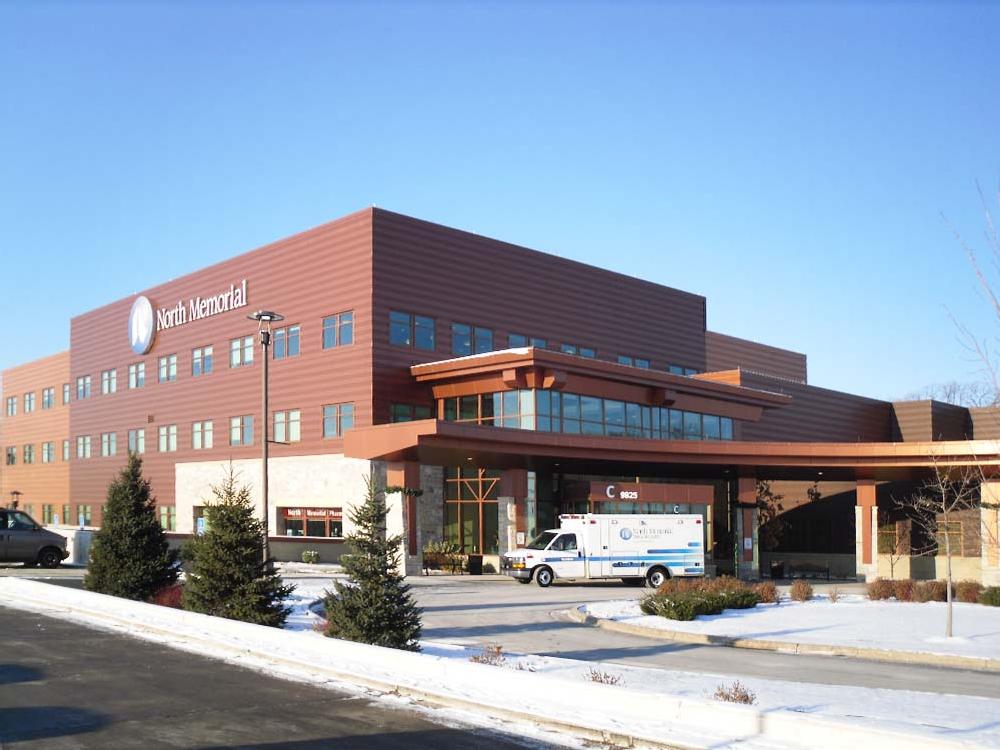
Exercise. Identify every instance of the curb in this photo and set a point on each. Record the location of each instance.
(975, 663)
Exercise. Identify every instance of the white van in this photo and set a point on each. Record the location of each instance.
(635, 548)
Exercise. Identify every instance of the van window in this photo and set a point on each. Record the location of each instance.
(566, 542)
(541, 541)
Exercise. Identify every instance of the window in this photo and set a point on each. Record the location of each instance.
(633, 362)
(136, 375)
(109, 382)
(168, 438)
(48, 398)
(623, 360)
(168, 517)
(538, 343)
(11, 406)
(690, 371)
(137, 440)
(168, 368)
(201, 361)
(587, 352)
(483, 340)
(675, 370)
(83, 446)
(11, 455)
(320, 522)
(516, 340)
(337, 419)
(471, 520)
(286, 426)
(48, 510)
(201, 435)
(409, 412)
(416, 331)
(241, 351)
(66, 515)
(83, 387)
(109, 443)
(29, 402)
(84, 515)
(48, 452)
(66, 393)
(286, 342)
(338, 330)
(66, 449)
(642, 363)
(461, 339)
(241, 430)
(568, 348)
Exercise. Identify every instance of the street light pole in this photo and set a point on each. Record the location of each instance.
(264, 319)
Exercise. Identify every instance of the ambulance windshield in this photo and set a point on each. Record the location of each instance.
(542, 540)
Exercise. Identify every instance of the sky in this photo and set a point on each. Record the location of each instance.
(804, 166)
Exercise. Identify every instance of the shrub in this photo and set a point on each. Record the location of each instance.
(834, 595)
(169, 596)
(739, 599)
(968, 591)
(491, 654)
(310, 556)
(801, 591)
(766, 592)
(903, 590)
(735, 693)
(680, 585)
(685, 605)
(990, 596)
(880, 589)
(604, 678)
(930, 591)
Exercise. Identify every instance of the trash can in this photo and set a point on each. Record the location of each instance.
(475, 565)
(777, 569)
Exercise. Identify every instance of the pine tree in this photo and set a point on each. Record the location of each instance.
(228, 577)
(375, 606)
(130, 556)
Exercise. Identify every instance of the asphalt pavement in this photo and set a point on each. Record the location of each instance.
(67, 687)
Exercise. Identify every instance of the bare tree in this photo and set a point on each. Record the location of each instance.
(769, 508)
(976, 393)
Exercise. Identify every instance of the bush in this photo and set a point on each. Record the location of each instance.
(684, 605)
(766, 592)
(990, 596)
(735, 693)
(491, 654)
(880, 589)
(169, 596)
(968, 591)
(903, 590)
(603, 678)
(801, 591)
(930, 591)
(834, 594)
(686, 598)
(310, 556)
(739, 599)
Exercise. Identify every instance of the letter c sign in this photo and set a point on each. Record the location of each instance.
(610, 492)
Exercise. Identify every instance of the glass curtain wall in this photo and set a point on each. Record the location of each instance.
(471, 508)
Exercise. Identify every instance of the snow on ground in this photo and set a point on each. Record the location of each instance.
(854, 621)
(931, 714)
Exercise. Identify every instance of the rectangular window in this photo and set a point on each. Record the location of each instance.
(201, 361)
(109, 382)
(623, 360)
(587, 352)
(11, 406)
(692, 425)
(287, 427)
(675, 370)
(461, 339)
(538, 343)
(11, 455)
(409, 412)
(415, 331)
(48, 452)
(642, 363)
(84, 515)
(286, 342)
(168, 368)
(516, 340)
(483, 340)
(137, 440)
(66, 391)
(29, 454)
(168, 438)
(109, 443)
(337, 419)
(168, 517)
(241, 430)
(201, 435)
(727, 428)
(48, 398)
(83, 387)
(423, 333)
(29, 402)
(241, 351)
(83, 446)
(136, 375)
(48, 510)
(568, 348)
(66, 450)
(338, 330)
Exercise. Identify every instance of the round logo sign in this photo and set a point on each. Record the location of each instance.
(625, 534)
(140, 326)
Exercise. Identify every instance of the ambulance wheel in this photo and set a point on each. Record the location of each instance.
(656, 577)
(543, 576)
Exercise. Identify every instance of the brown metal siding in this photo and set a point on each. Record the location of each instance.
(985, 423)
(729, 353)
(818, 415)
(305, 277)
(930, 420)
(456, 276)
(39, 482)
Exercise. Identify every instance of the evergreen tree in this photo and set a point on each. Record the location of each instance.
(130, 556)
(375, 606)
(228, 577)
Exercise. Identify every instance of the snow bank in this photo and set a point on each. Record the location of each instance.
(853, 621)
(583, 708)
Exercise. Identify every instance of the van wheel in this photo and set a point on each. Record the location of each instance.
(49, 557)
(656, 577)
(543, 576)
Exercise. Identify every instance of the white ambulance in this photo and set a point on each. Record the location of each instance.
(634, 548)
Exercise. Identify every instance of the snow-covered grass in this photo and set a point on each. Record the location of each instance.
(853, 621)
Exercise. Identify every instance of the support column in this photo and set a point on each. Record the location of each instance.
(990, 495)
(402, 516)
(748, 557)
(865, 531)
(506, 524)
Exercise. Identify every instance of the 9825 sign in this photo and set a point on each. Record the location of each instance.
(611, 490)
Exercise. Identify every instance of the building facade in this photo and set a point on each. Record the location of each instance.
(506, 384)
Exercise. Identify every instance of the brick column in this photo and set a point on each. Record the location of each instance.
(746, 527)
(990, 493)
(402, 517)
(865, 531)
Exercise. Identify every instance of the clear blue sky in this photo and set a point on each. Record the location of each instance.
(789, 162)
